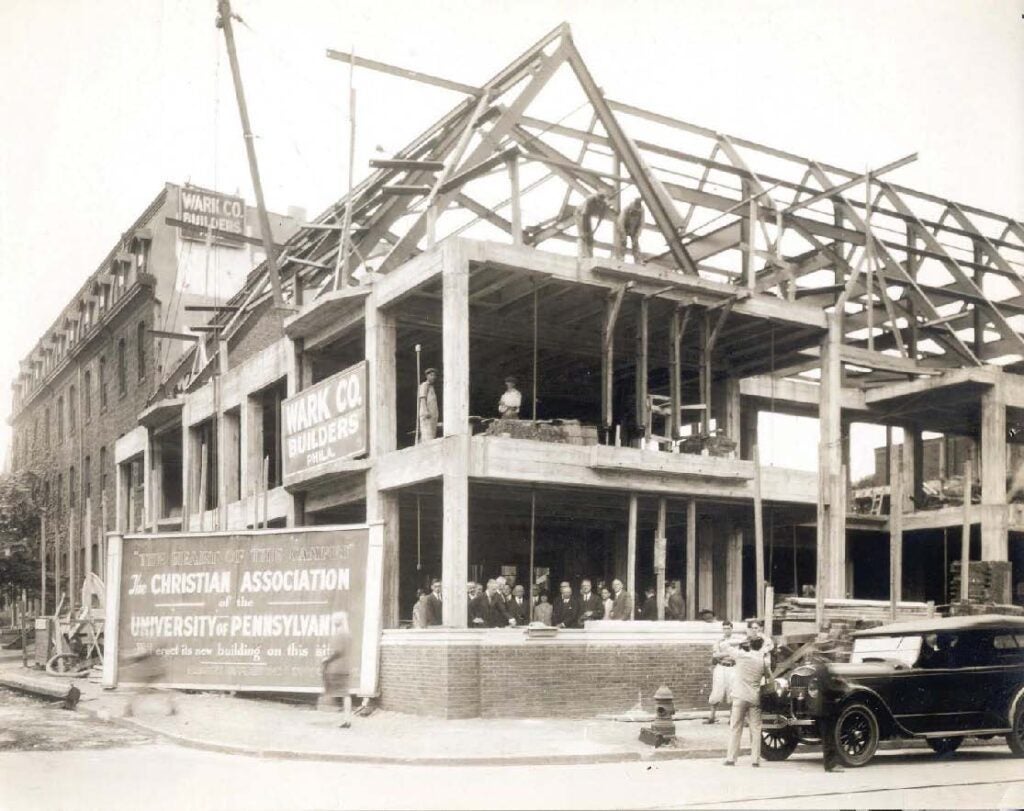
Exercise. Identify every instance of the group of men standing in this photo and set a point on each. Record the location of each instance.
(499, 604)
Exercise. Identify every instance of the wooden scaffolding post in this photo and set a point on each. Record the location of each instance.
(895, 530)
(533, 544)
(103, 534)
(641, 367)
(224, 20)
(514, 199)
(759, 579)
(674, 383)
(42, 562)
(71, 560)
(965, 535)
(821, 557)
(705, 373)
(660, 549)
(57, 568)
(266, 480)
(631, 545)
(202, 485)
(691, 559)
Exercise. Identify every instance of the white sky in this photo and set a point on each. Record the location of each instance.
(104, 100)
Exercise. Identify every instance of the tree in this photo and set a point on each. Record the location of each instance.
(21, 504)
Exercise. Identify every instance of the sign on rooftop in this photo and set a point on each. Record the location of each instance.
(203, 209)
(325, 422)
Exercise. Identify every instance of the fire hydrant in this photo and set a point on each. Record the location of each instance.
(663, 729)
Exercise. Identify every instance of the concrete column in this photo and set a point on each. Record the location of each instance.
(734, 573)
(731, 417)
(913, 468)
(705, 565)
(832, 540)
(382, 506)
(455, 459)
(994, 542)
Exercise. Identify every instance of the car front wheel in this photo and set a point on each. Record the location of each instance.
(778, 744)
(856, 735)
(1015, 738)
(945, 746)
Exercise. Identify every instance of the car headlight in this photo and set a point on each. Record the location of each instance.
(781, 686)
(813, 688)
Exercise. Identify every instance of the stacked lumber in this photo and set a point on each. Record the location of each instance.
(988, 581)
(802, 609)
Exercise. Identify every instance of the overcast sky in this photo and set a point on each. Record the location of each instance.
(102, 101)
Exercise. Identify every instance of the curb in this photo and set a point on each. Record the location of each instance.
(388, 760)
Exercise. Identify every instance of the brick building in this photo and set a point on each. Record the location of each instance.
(92, 371)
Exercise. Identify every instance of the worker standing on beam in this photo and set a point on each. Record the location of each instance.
(427, 411)
(628, 225)
(596, 205)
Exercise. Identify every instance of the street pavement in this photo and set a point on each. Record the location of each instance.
(62, 760)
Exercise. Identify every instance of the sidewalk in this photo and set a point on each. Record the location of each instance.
(267, 728)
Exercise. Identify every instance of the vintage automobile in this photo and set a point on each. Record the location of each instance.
(941, 680)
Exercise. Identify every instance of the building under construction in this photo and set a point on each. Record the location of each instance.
(493, 246)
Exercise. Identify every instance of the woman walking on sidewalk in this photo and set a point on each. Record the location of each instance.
(722, 672)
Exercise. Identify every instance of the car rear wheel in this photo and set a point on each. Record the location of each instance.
(778, 744)
(945, 746)
(1015, 738)
(856, 735)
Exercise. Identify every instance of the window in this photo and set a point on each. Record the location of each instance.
(140, 349)
(141, 255)
(87, 396)
(122, 371)
(87, 478)
(72, 407)
(103, 382)
(60, 491)
(46, 428)
(103, 470)
(60, 419)
(35, 430)
(72, 489)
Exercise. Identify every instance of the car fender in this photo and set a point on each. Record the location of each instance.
(1017, 699)
(888, 725)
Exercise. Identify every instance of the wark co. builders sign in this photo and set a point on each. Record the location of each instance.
(326, 422)
(203, 210)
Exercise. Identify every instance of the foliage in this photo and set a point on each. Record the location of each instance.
(20, 507)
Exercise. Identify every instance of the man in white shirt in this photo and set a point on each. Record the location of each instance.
(427, 411)
(511, 401)
(751, 666)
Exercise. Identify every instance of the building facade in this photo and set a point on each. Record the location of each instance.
(95, 368)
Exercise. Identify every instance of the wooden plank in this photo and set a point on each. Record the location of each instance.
(642, 415)
(895, 529)
(631, 534)
(674, 371)
(965, 533)
(406, 164)
(660, 552)
(404, 73)
(691, 559)
(759, 579)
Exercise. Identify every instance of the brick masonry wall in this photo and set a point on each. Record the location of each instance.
(540, 679)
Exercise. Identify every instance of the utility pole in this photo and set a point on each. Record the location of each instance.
(224, 18)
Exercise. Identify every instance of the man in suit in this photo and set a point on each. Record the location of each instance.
(518, 609)
(565, 613)
(675, 607)
(478, 608)
(590, 604)
(622, 602)
(497, 615)
(434, 603)
(649, 610)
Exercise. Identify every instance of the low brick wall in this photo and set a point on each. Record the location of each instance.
(503, 673)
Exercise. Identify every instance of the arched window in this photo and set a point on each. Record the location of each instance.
(122, 371)
(87, 396)
(87, 478)
(140, 348)
(103, 382)
(72, 407)
(60, 418)
(72, 488)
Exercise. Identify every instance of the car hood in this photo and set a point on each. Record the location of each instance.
(848, 670)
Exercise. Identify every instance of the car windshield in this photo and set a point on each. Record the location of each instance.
(903, 649)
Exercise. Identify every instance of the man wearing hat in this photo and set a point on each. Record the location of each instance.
(511, 400)
(427, 407)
